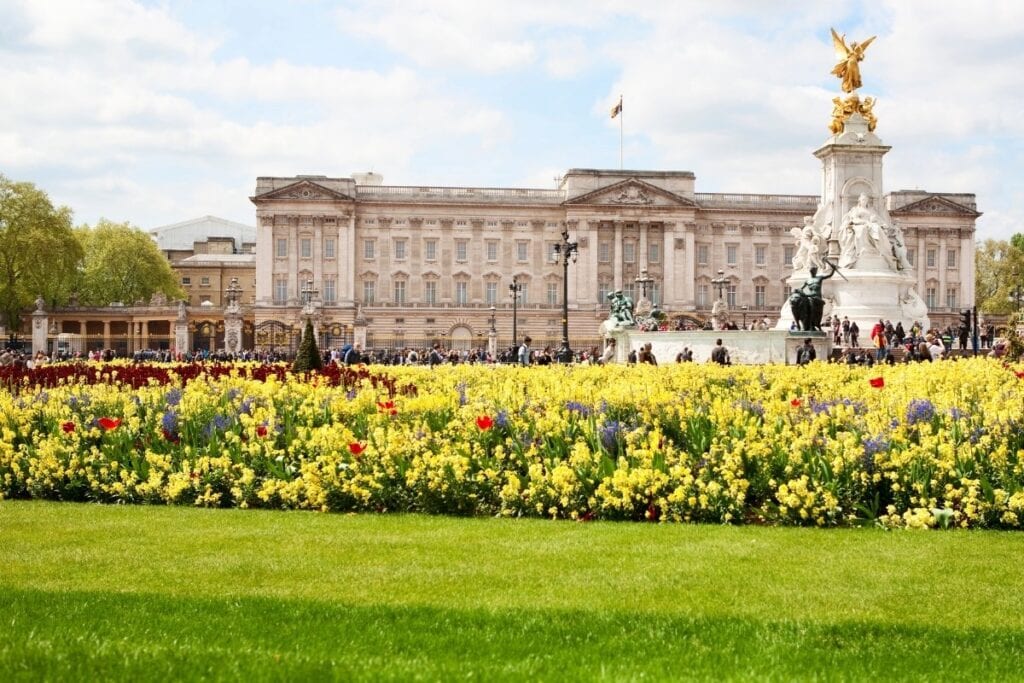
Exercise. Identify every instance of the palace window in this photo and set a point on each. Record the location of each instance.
(703, 254)
(430, 292)
(656, 293)
(491, 293)
(400, 249)
(628, 252)
(787, 256)
(282, 247)
(730, 295)
(462, 292)
(306, 247)
(760, 252)
(759, 296)
(461, 250)
(951, 258)
(368, 249)
(330, 290)
(186, 281)
(399, 291)
(329, 247)
(369, 291)
(492, 250)
(280, 290)
(522, 251)
(604, 288)
(552, 294)
(931, 297)
(654, 253)
(951, 297)
(731, 250)
(204, 282)
(524, 293)
(702, 296)
(911, 254)
(604, 252)
(931, 258)
(430, 250)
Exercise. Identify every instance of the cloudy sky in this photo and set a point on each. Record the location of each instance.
(157, 112)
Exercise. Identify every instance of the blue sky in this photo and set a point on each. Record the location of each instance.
(157, 112)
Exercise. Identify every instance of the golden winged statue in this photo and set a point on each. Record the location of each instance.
(848, 68)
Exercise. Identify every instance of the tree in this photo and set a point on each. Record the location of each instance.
(999, 274)
(39, 254)
(308, 356)
(122, 263)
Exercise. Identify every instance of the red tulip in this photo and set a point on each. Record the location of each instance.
(484, 422)
(1020, 374)
(877, 382)
(387, 406)
(795, 403)
(261, 431)
(109, 423)
(68, 427)
(356, 448)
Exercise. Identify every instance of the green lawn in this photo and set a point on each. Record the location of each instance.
(97, 593)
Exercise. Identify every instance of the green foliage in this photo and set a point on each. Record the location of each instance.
(95, 592)
(999, 274)
(308, 357)
(122, 263)
(39, 254)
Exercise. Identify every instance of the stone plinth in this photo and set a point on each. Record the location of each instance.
(746, 347)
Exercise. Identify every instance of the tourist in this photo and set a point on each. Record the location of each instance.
(806, 353)
(720, 354)
(609, 352)
(524, 352)
(646, 355)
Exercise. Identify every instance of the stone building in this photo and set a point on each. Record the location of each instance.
(408, 265)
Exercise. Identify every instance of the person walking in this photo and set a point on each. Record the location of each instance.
(524, 351)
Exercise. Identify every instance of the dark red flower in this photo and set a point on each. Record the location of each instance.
(1020, 374)
(356, 448)
(877, 382)
(261, 431)
(796, 403)
(387, 406)
(171, 437)
(109, 423)
(484, 422)
(68, 427)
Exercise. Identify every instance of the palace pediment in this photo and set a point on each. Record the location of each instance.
(935, 204)
(632, 192)
(304, 190)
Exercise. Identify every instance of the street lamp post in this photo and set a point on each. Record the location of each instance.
(644, 281)
(493, 311)
(565, 250)
(513, 291)
(720, 282)
(744, 309)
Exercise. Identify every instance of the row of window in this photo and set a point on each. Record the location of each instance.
(400, 251)
(553, 293)
(761, 252)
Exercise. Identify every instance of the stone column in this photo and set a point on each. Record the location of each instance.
(106, 335)
(593, 231)
(40, 327)
(669, 280)
(617, 260)
(940, 263)
(641, 258)
(293, 259)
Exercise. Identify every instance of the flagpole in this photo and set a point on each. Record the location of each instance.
(622, 115)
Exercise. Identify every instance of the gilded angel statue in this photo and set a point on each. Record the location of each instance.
(848, 68)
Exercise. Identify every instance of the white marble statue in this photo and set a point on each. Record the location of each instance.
(899, 246)
(810, 244)
(862, 231)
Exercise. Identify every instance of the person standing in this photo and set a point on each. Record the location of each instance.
(646, 355)
(524, 351)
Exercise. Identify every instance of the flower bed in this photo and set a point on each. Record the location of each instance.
(936, 444)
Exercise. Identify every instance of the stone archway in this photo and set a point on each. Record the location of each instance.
(462, 338)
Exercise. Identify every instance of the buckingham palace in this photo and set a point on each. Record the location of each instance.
(411, 264)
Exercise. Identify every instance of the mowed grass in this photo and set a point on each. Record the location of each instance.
(152, 593)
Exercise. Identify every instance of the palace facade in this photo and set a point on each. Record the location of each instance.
(408, 265)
